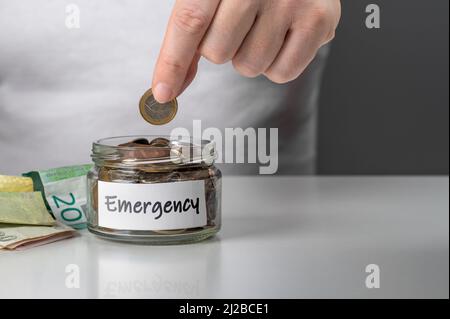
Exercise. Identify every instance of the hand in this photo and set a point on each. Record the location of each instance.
(277, 38)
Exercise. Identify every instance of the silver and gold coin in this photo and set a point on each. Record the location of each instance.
(157, 113)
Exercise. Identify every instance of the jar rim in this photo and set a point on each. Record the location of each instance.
(179, 151)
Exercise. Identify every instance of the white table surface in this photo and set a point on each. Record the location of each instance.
(282, 237)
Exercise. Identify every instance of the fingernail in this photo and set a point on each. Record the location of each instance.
(162, 93)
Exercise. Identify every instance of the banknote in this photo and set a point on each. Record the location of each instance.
(21, 236)
(27, 208)
(15, 184)
(65, 193)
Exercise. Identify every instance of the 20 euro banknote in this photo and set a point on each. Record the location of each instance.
(64, 191)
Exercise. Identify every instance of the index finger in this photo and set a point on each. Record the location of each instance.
(187, 26)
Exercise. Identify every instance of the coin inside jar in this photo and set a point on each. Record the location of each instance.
(143, 149)
(157, 113)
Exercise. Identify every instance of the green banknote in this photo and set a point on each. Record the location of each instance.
(64, 191)
(26, 208)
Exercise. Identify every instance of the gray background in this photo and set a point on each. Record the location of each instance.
(384, 103)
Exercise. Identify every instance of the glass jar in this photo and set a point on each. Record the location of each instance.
(154, 189)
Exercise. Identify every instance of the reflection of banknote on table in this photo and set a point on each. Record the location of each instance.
(64, 191)
(20, 236)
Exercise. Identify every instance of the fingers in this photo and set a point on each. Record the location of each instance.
(275, 38)
(303, 41)
(192, 72)
(297, 52)
(187, 25)
(261, 46)
(312, 27)
(232, 21)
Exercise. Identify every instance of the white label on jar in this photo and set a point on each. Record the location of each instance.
(160, 206)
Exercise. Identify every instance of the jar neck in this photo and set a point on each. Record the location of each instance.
(154, 167)
(175, 154)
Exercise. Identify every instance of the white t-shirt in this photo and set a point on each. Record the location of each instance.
(62, 88)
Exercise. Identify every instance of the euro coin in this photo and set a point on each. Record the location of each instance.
(157, 113)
